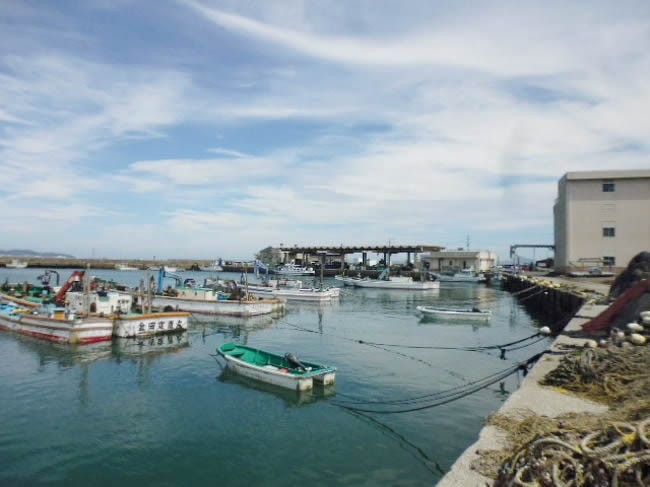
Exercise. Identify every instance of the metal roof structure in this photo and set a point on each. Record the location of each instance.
(353, 249)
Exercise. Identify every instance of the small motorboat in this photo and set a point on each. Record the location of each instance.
(284, 371)
(467, 313)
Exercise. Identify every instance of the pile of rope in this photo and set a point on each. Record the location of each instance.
(611, 375)
(618, 455)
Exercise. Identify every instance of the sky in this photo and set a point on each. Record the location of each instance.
(214, 128)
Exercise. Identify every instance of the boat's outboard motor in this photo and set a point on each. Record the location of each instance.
(293, 361)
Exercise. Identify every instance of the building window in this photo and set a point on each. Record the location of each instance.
(609, 261)
(609, 232)
(609, 186)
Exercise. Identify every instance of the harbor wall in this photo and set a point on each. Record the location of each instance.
(554, 297)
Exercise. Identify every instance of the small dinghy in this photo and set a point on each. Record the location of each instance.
(284, 371)
(472, 313)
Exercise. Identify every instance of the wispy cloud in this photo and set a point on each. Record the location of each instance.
(422, 121)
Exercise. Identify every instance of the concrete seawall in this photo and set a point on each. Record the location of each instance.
(531, 398)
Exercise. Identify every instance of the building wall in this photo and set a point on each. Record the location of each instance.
(455, 260)
(587, 210)
(560, 223)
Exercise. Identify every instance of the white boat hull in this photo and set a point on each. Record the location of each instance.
(295, 273)
(220, 307)
(280, 379)
(295, 294)
(398, 284)
(447, 313)
(149, 324)
(87, 330)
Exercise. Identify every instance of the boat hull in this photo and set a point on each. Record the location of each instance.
(379, 284)
(88, 330)
(150, 324)
(277, 379)
(274, 369)
(296, 294)
(455, 314)
(220, 307)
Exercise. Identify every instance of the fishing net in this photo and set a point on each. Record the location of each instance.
(581, 449)
(611, 375)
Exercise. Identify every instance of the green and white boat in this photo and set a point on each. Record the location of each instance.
(283, 371)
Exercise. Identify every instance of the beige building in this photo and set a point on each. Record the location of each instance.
(601, 218)
(454, 260)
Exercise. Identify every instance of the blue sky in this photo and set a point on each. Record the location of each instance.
(206, 128)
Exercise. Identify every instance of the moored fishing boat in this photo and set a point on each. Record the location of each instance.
(283, 371)
(471, 313)
(347, 280)
(53, 323)
(125, 267)
(386, 281)
(292, 269)
(207, 301)
(214, 267)
(16, 264)
(294, 294)
(464, 275)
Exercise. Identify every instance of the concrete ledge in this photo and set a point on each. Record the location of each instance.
(530, 398)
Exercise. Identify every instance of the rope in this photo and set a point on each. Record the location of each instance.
(479, 348)
(442, 397)
(618, 454)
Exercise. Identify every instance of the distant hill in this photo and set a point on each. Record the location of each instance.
(31, 253)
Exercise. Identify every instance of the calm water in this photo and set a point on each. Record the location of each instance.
(162, 412)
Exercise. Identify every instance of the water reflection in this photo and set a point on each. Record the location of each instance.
(155, 345)
(69, 355)
(291, 398)
(415, 451)
(236, 328)
(436, 320)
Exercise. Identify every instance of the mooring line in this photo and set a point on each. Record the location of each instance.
(448, 396)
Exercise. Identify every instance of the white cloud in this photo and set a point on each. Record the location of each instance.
(412, 120)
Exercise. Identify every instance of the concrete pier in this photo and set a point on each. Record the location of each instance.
(531, 398)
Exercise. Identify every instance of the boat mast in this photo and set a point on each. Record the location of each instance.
(246, 278)
(86, 289)
(322, 265)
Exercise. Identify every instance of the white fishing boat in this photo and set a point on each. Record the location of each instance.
(292, 269)
(125, 267)
(16, 264)
(386, 281)
(213, 302)
(471, 313)
(284, 371)
(215, 267)
(464, 275)
(294, 294)
(53, 323)
(347, 280)
(117, 306)
(284, 283)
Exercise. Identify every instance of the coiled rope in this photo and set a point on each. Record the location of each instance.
(618, 454)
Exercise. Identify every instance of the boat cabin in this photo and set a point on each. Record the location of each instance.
(99, 302)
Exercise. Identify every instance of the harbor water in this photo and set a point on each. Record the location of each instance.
(162, 411)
